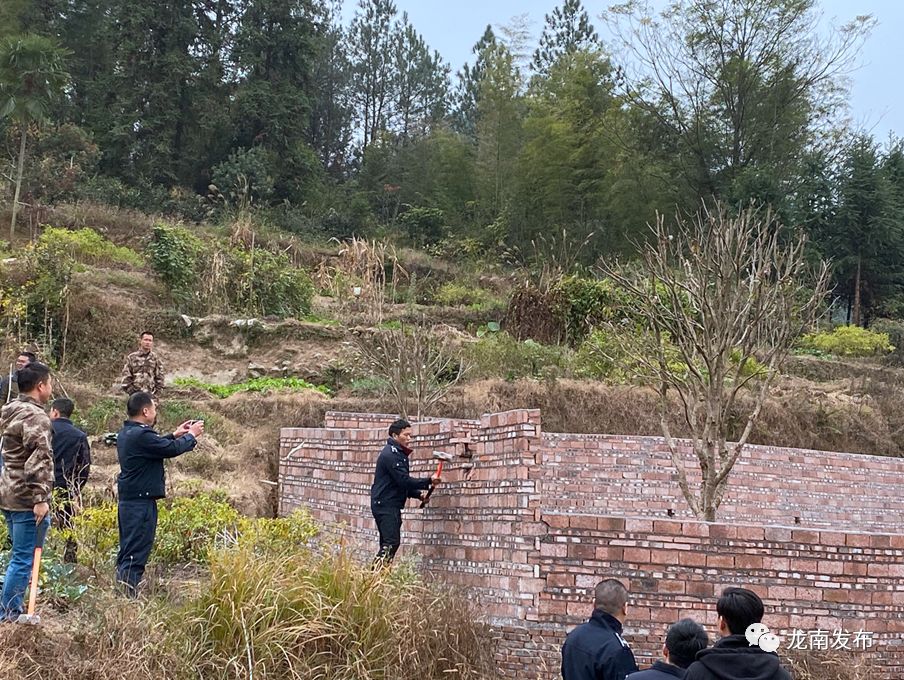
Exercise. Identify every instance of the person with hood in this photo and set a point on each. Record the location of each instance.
(596, 650)
(682, 643)
(26, 481)
(733, 657)
(392, 486)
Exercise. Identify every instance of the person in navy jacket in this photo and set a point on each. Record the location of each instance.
(596, 650)
(393, 485)
(142, 482)
(682, 642)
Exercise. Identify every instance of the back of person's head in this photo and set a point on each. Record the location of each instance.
(63, 406)
(138, 402)
(684, 639)
(611, 596)
(398, 426)
(739, 608)
(32, 375)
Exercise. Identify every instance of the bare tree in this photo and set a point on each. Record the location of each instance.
(727, 296)
(418, 364)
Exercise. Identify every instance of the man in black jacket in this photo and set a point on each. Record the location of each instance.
(682, 643)
(733, 657)
(71, 465)
(142, 482)
(392, 486)
(596, 650)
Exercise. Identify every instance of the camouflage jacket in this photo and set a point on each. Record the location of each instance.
(143, 372)
(27, 475)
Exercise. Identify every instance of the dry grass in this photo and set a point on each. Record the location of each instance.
(293, 617)
(828, 665)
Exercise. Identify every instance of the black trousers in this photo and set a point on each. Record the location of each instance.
(137, 528)
(389, 525)
(65, 513)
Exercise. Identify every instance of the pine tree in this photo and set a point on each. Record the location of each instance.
(467, 93)
(567, 30)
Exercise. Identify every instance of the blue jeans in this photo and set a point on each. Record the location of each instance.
(22, 529)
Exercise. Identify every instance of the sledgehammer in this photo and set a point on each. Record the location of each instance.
(32, 618)
(443, 457)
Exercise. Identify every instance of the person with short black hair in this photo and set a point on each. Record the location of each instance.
(9, 386)
(596, 650)
(392, 487)
(142, 482)
(26, 480)
(71, 466)
(143, 371)
(733, 657)
(683, 641)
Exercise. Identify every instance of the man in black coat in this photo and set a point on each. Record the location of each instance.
(596, 650)
(9, 386)
(392, 486)
(733, 657)
(71, 466)
(682, 643)
(142, 482)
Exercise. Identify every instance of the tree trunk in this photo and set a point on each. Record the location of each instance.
(857, 294)
(19, 171)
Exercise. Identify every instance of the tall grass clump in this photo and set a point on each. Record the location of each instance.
(318, 616)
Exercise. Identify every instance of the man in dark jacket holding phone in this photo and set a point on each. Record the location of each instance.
(142, 482)
(392, 487)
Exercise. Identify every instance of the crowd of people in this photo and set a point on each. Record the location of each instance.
(45, 461)
(43, 455)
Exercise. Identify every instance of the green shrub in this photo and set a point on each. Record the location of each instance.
(501, 355)
(174, 258)
(425, 226)
(276, 536)
(848, 341)
(246, 174)
(86, 245)
(211, 278)
(266, 283)
(585, 304)
(456, 294)
(188, 527)
(253, 385)
(622, 356)
(104, 415)
(895, 332)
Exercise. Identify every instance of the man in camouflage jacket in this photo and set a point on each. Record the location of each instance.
(143, 371)
(26, 481)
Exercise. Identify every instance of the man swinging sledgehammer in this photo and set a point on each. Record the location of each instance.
(392, 486)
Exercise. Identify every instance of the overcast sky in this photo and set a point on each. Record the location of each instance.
(877, 94)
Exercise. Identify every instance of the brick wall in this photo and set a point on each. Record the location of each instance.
(504, 526)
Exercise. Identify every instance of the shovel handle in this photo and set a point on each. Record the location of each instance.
(35, 570)
(40, 535)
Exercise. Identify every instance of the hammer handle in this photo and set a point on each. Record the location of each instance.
(439, 471)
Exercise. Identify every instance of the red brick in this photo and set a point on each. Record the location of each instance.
(724, 561)
(639, 556)
(833, 567)
(611, 523)
(692, 558)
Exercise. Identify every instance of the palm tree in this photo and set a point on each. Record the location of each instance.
(31, 76)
